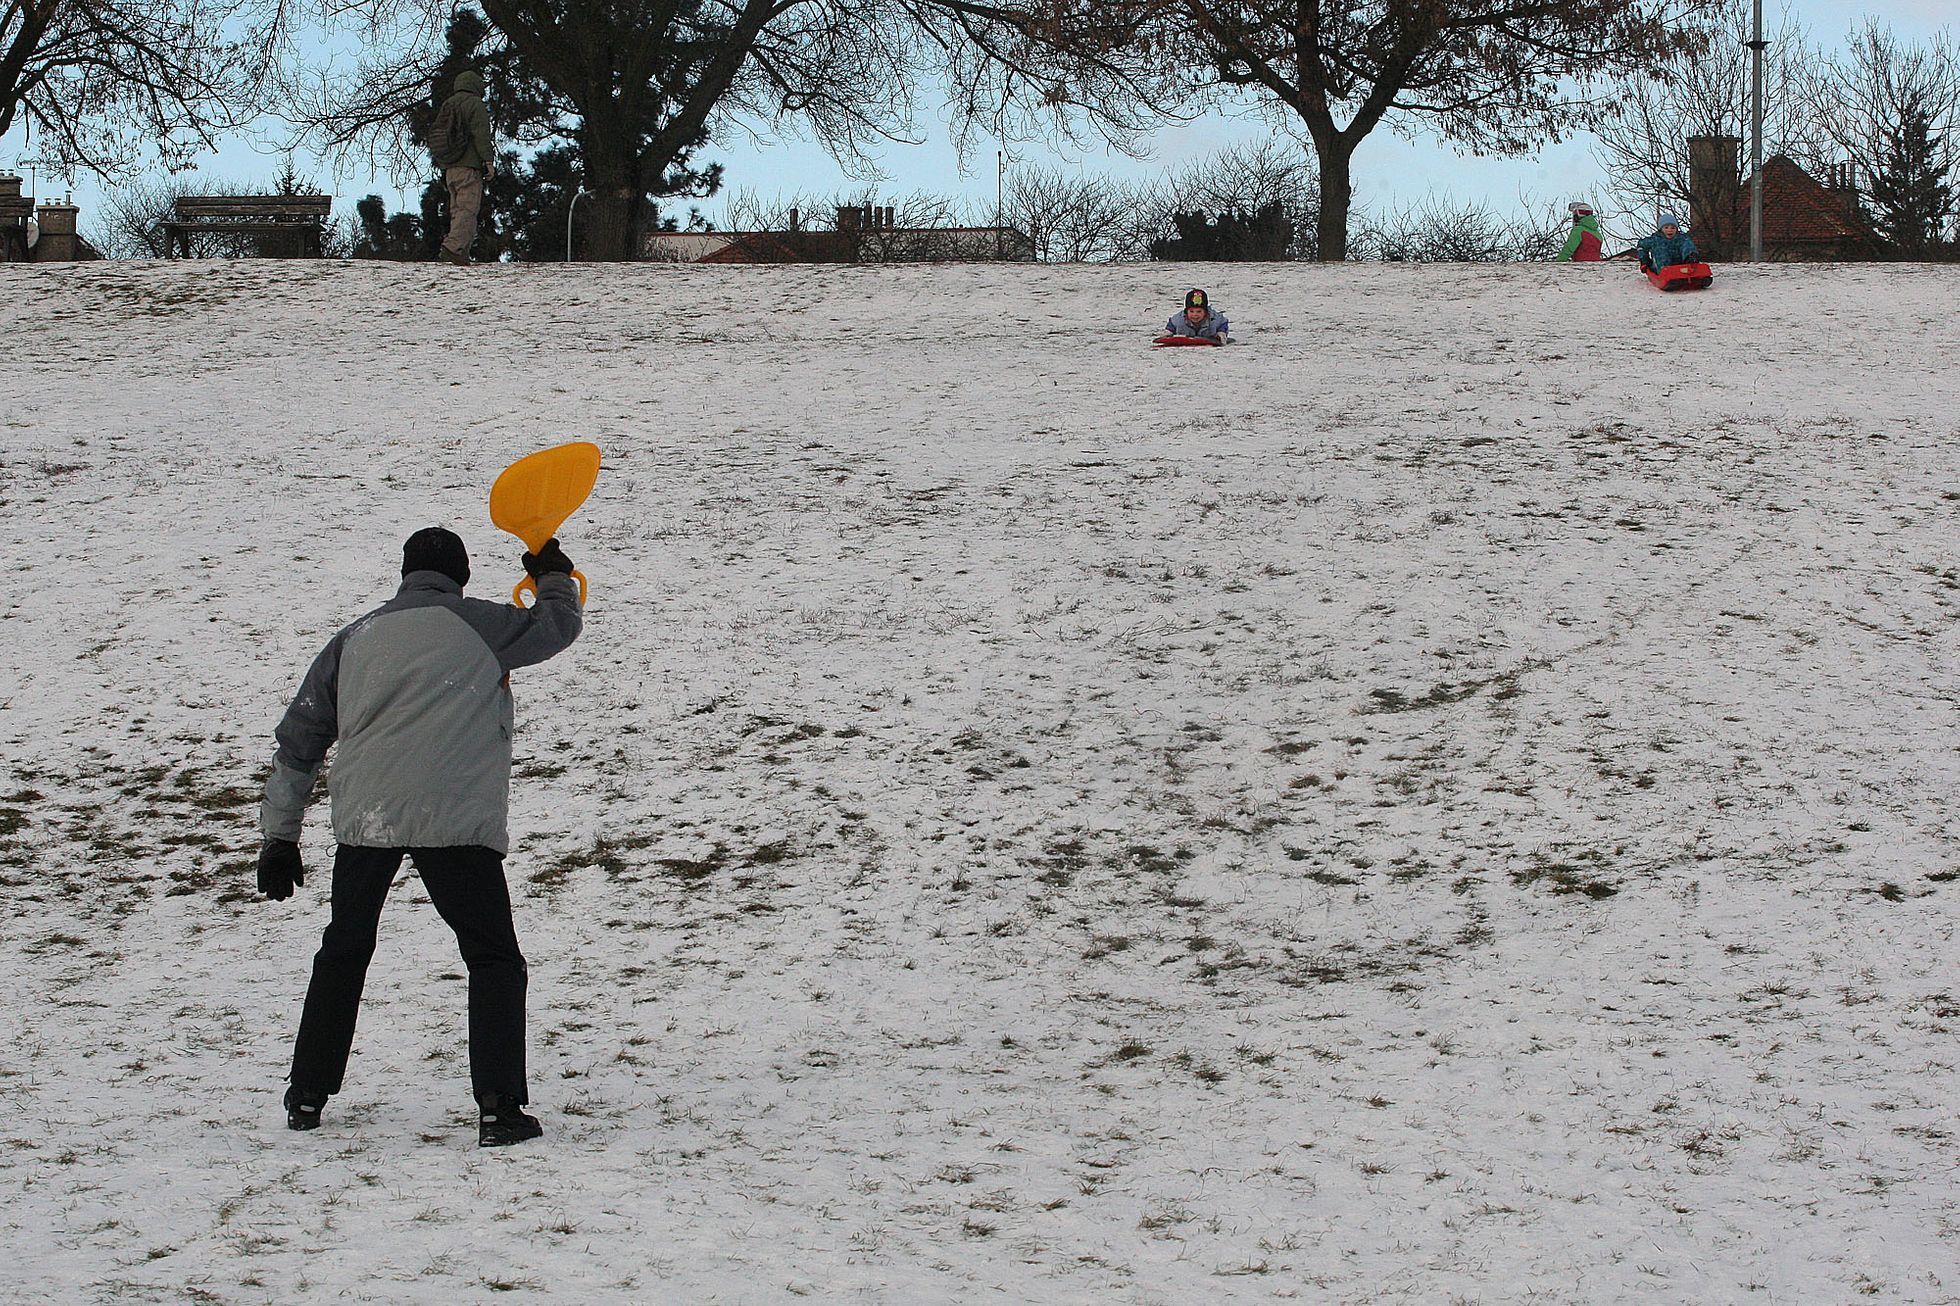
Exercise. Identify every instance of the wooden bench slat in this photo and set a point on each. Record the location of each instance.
(291, 219)
(207, 215)
(237, 226)
(296, 207)
(257, 200)
(202, 210)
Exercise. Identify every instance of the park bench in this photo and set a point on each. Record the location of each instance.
(301, 218)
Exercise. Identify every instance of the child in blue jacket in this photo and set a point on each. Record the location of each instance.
(1666, 247)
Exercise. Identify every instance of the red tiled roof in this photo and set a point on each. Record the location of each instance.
(754, 247)
(1799, 208)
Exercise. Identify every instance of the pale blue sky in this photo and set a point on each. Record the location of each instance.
(1388, 169)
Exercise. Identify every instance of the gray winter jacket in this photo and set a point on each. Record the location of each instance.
(417, 693)
(1214, 325)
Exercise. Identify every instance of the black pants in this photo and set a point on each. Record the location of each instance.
(468, 889)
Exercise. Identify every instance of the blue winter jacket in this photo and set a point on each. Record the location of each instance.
(1214, 326)
(1664, 252)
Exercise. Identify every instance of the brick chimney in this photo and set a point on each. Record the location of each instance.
(58, 243)
(15, 210)
(1714, 189)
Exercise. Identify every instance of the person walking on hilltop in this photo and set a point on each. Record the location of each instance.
(417, 696)
(459, 143)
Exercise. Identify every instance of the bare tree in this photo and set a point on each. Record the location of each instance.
(864, 227)
(1644, 149)
(1893, 110)
(750, 210)
(1242, 179)
(1072, 216)
(1875, 105)
(1489, 76)
(129, 221)
(370, 113)
(1439, 230)
(635, 85)
(920, 228)
(107, 82)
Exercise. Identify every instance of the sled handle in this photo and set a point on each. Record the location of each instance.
(529, 586)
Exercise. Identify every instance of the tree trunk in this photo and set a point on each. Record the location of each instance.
(605, 226)
(1336, 158)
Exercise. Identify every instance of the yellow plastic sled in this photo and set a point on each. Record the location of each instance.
(534, 496)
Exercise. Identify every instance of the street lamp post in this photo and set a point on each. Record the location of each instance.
(570, 211)
(1000, 204)
(1756, 47)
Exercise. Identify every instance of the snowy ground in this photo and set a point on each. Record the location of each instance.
(1452, 798)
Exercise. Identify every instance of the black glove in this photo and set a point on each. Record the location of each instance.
(548, 561)
(280, 869)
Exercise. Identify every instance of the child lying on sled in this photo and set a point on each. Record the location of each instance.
(1199, 319)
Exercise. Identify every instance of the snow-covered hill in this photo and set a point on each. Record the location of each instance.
(1452, 798)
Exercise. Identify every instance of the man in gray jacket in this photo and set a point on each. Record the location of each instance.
(417, 695)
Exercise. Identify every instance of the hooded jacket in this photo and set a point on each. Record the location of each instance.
(1583, 245)
(1665, 251)
(474, 119)
(417, 695)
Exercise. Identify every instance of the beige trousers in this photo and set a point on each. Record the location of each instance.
(465, 201)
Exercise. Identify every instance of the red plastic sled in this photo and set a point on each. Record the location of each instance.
(1682, 276)
(1183, 340)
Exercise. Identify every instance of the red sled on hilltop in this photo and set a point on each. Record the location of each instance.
(1681, 276)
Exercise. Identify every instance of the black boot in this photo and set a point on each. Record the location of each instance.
(303, 1108)
(502, 1121)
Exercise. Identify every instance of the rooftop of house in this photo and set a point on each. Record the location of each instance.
(1803, 208)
